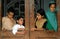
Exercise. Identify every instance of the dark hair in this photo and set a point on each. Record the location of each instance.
(41, 12)
(51, 4)
(10, 10)
(19, 17)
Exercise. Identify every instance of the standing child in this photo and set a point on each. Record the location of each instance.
(18, 28)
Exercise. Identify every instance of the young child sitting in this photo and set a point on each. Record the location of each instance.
(18, 28)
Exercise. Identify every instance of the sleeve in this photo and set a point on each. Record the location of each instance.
(22, 27)
(14, 29)
(6, 23)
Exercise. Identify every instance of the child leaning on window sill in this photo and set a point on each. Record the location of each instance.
(18, 28)
(40, 20)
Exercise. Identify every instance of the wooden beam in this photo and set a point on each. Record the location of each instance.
(27, 18)
(27, 14)
(58, 14)
(0, 13)
(32, 13)
(32, 21)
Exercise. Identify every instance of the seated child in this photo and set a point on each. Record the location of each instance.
(18, 26)
(40, 20)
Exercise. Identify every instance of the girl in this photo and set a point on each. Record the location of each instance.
(40, 20)
(51, 17)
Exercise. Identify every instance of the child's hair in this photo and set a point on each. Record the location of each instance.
(51, 4)
(10, 10)
(19, 17)
(41, 12)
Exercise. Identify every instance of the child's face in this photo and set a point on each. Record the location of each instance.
(39, 16)
(10, 14)
(20, 21)
(52, 7)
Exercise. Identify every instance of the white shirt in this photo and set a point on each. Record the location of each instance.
(16, 27)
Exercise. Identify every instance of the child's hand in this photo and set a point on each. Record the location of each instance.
(32, 29)
(39, 29)
(4, 29)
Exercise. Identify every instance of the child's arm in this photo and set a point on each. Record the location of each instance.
(22, 32)
(14, 29)
(33, 29)
(39, 29)
(21, 29)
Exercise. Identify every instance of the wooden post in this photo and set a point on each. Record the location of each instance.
(32, 20)
(27, 14)
(0, 13)
(58, 14)
(27, 18)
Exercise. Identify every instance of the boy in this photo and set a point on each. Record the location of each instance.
(18, 26)
(8, 21)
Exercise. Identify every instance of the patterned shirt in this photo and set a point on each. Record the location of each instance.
(7, 23)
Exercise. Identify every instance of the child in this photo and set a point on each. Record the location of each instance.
(40, 20)
(18, 26)
(8, 21)
(52, 24)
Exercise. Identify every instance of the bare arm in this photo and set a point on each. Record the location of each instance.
(22, 32)
(39, 29)
(21, 29)
(33, 29)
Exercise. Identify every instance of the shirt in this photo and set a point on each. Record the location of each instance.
(7, 23)
(40, 23)
(16, 27)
